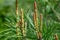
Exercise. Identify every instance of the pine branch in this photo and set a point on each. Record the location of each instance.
(17, 33)
(22, 26)
(35, 17)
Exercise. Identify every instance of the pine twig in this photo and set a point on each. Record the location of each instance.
(17, 33)
(22, 23)
(16, 13)
(40, 33)
(25, 30)
(16, 7)
(35, 18)
(41, 21)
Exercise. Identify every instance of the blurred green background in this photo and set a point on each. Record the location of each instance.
(51, 18)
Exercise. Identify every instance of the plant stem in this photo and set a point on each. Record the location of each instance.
(40, 33)
(16, 7)
(35, 18)
(17, 33)
(22, 23)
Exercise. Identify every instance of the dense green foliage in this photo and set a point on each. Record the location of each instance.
(51, 18)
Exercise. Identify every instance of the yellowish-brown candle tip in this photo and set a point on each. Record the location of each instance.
(56, 37)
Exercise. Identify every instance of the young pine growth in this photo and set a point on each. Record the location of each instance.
(40, 33)
(17, 32)
(16, 7)
(22, 26)
(56, 37)
(16, 15)
(41, 22)
(35, 15)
